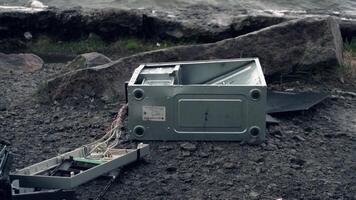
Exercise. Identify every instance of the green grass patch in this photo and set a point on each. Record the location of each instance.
(122, 47)
(348, 68)
(350, 46)
(135, 45)
(46, 45)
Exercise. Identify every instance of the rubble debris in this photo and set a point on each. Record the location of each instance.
(186, 177)
(254, 195)
(186, 153)
(297, 163)
(203, 155)
(3, 105)
(229, 165)
(298, 138)
(188, 146)
(276, 133)
(171, 169)
(4, 142)
(336, 135)
(340, 93)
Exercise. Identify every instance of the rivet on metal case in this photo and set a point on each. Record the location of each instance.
(139, 130)
(138, 94)
(255, 131)
(255, 94)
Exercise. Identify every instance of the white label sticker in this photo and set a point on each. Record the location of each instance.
(154, 113)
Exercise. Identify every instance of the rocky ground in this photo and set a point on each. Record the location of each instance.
(309, 155)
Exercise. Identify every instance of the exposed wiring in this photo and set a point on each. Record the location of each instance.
(101, 147)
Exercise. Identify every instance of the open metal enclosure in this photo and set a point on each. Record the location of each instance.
(42, 175)
(202, 100)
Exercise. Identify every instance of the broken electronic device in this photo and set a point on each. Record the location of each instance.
(76, 167)
(201, 100)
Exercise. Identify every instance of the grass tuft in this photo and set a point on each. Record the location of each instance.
(350, 46)
(44, 45)
(348, 69)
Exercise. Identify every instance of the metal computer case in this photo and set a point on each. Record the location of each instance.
(221, 100)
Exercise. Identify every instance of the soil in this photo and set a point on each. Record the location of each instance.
(309, 155)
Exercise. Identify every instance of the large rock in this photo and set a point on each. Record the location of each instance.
(198, 25)
(19, 62)
(245, 24)
(205, 27)
(296, 45)
(87, 60)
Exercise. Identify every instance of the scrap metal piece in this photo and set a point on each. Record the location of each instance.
(5, 165)
(47, 195)
(40, 174)
(198, 100)
(6, 190)
(114, 175)
(278, 102)
(271, 120)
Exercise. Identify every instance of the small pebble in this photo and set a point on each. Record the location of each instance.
(188, 146)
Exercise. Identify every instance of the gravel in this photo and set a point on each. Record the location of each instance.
(309, 155)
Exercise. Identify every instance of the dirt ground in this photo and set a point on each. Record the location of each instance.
(309, 155)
